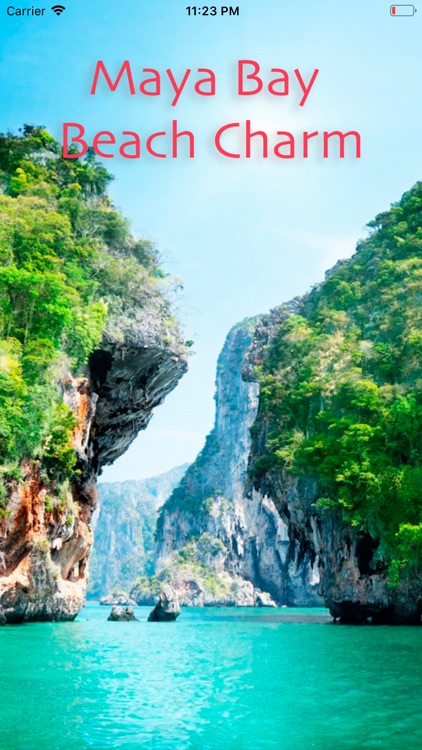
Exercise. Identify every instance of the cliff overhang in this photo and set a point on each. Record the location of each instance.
(45, 534)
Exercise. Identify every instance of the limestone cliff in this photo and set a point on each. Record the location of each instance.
(353, 586)
(218, 544)
(327, 495)
(338, 433)
(89, 346)
(46, 538)
(124, 527)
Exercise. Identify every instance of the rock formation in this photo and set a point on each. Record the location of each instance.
(46, 539)
(219, 544)
(326, 498)
(354, 587)
(263, 599)
(124, 526)
(89, 346)
(167, 608)
(338, 433)
(122, 614)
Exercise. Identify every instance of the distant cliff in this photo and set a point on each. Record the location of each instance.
(124, 527)
(217, 544)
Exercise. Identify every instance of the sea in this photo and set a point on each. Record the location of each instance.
(217, 679)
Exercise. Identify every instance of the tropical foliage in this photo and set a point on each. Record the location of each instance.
(342, 388)
(69, 268)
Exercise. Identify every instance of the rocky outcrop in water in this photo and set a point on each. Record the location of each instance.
(263, 599)
(167, 608)
(122, 614)
(218, 543)
(46, 538)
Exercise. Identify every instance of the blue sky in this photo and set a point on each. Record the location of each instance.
(243, 235)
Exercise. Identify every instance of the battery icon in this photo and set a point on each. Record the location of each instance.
(402, 10)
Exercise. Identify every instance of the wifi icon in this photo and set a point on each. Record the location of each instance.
(58, 9)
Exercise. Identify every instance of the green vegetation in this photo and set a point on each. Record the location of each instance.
(149, 584)
(341, 390)
(194, 560)
(69, 268)
(199, 551)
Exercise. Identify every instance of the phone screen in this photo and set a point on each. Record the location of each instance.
(210, 374)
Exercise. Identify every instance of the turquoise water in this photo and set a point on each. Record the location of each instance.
(220, 679)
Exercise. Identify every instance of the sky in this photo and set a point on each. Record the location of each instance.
(243, 235)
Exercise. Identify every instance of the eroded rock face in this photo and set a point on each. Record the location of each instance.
(262, 599)
(122, 614)
(352, 580)
(214, 520)
(130, 381)
(167, 608)
(46, 536)
(356, 589)
(354, 585)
